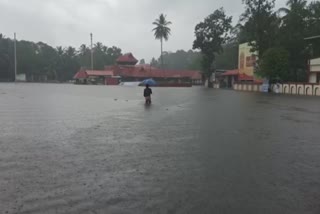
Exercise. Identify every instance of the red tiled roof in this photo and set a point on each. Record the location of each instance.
(231, 73)
(138, 72)
(81, 75)
(244, 77)
(196, 76)
(99, 73)
(146, 66)
(127, 58)
(258, 81)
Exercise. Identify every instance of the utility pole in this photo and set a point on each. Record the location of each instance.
(15, 57)
(91, 38)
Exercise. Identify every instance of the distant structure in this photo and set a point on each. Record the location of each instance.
(314, 71)
(245, 71)
(127, 59)
(127, 70)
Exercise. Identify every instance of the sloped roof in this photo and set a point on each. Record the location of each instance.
(81, 75)
(244, 77)
(99, 73)
(231, 73)
(140, 72)
(127, 58)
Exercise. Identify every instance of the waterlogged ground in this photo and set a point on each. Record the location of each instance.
(94, 149)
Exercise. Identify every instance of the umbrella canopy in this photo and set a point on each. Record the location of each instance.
(150, 82)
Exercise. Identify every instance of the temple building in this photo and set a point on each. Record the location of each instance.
(127, 70)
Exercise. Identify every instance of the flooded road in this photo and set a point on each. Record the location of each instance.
(93, 149)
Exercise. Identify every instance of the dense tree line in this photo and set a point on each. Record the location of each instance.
(191, 60)
(273, 34)
(178, 60)
(41, 62)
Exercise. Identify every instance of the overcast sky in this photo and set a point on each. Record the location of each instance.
(123, 23)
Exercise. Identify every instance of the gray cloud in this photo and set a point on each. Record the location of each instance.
(124, 23)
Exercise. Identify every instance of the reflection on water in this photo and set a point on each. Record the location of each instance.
(91, 149)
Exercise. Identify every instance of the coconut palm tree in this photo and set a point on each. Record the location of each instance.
(162, 31)
(295, 7)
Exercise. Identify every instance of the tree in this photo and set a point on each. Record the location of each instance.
(228, 59)
(180, 59)
(84, 56)
(260, 24)
(211, 34)
(142, 62)
(112, 54)
(99, 56)
(162, 31)
(313, 23)
(274, 64)
(6, 64)
(295, 17)
(154, 62)
(41, 62)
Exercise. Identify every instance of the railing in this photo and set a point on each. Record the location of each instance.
(306, 89)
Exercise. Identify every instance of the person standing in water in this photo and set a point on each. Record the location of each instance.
(147, 94)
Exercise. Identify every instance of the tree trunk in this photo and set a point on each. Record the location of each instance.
(161, 41)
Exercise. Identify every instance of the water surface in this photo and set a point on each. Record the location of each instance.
(95, 149)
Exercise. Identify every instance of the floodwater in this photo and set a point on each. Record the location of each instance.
(95, 149)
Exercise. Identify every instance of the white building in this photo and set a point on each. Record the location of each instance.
(21, 78)
(314, 75)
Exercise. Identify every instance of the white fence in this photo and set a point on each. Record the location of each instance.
(305, 89)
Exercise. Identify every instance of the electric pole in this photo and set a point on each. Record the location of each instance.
(15, 57)
(91, 38)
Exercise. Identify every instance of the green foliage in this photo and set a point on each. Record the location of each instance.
(41, 62)
(211, 34)
(162, 31)
(313, 23)
(142, 62)
(182, 60)
(228, 59)
(287, 28)
(154, 62)
(6, 54)
(192, 60)
(105, 56)
(295, 17)
(274, 64)
(260, 24)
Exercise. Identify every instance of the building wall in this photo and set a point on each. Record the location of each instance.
(21, 77)
(111, 81)
(316, 90)
(313, 78)
(247, 60)
(253, 87)
(308, 90)
(300, 89)
(315, 65)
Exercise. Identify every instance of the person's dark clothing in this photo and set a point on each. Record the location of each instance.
(147, 92)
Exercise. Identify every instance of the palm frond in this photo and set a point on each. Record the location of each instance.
(161, 30)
